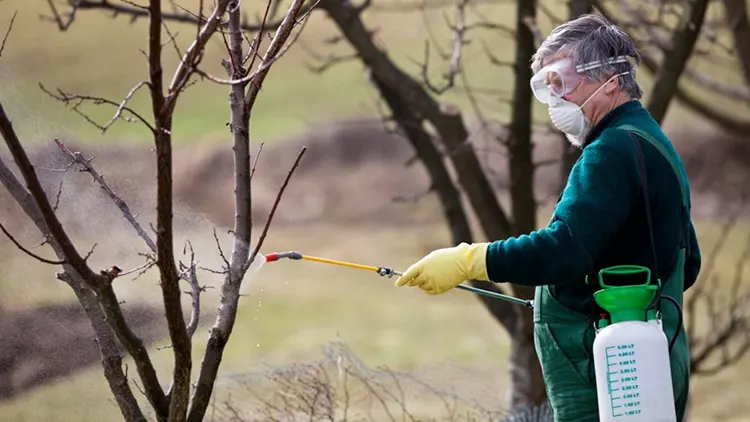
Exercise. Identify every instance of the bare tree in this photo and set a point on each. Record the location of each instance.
(94, 288)
(415, 108)
(666, 50)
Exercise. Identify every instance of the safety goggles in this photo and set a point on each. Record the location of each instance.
(561, 77)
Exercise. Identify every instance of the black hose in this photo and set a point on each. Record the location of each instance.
(679, 320)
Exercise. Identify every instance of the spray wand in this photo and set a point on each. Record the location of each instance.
(390, 272)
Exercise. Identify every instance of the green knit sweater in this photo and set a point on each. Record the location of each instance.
(600, 221)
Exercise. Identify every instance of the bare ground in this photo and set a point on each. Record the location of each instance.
(48, 342)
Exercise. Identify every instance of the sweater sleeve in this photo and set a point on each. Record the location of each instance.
(593, 207)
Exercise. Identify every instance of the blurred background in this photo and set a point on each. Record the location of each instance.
(372, 188)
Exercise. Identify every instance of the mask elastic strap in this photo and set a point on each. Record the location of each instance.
(602, 86)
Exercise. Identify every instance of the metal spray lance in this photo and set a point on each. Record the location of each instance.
(390, 272)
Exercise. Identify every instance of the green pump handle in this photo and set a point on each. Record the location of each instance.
(622, 270)
(617, 296)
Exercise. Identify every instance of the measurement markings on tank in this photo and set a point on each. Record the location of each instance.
(622, 379)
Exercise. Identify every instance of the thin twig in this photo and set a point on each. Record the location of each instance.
(26, 251)
(263, 234)
(257, 157)
(7, 32)
(76, 100)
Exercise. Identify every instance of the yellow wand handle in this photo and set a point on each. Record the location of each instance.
(341, 263)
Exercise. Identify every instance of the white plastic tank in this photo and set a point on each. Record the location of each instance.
(631, 352)
(633, 376)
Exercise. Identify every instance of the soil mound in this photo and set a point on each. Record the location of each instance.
(49, 342)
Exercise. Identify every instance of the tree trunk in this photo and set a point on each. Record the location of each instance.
(739, 23)
(526, 379)
(676, 58)
(570, 153)
(525, 372)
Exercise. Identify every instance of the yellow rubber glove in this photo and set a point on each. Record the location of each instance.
(444, 269)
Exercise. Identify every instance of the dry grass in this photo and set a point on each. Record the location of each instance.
(296, 308)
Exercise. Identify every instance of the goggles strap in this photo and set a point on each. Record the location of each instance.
(598, 63)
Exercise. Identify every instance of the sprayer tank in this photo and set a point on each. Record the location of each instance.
(633, 377)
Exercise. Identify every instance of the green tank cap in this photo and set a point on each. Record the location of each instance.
(629, 302)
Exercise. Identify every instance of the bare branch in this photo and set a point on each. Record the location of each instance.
(241, 105)
(192, 56)
(257, 158)
(733, 91)
(275, 49)
(326, 62)
(459, 31)
(78, 158)
(76, 100)
(446, 119)
(726, 338)
(725, 121)
(739, 23)
(172, 296)
(7, 32)
(139, 269)
(403, 7)
(26, 251)
(62, 24)
(195, 291)
(135, 12)
(271, 214)
(37, 192)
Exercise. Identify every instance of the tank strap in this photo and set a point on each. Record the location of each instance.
(647, 203)
(596, 311)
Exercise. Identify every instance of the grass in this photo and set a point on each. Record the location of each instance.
(293, 309)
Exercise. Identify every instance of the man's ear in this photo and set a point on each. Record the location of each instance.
(612, 86)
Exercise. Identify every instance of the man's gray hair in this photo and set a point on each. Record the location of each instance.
(591, 38)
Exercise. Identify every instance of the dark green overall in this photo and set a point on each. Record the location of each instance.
(600, 221)
(564, 337)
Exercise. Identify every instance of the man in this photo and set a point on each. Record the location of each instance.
(584, 72)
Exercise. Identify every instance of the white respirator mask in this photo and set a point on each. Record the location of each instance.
(558, 79)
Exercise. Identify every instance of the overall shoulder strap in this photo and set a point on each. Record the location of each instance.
(672, 163)
(644, 184)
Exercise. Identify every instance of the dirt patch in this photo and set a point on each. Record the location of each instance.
(356, 172)
(50, 342)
